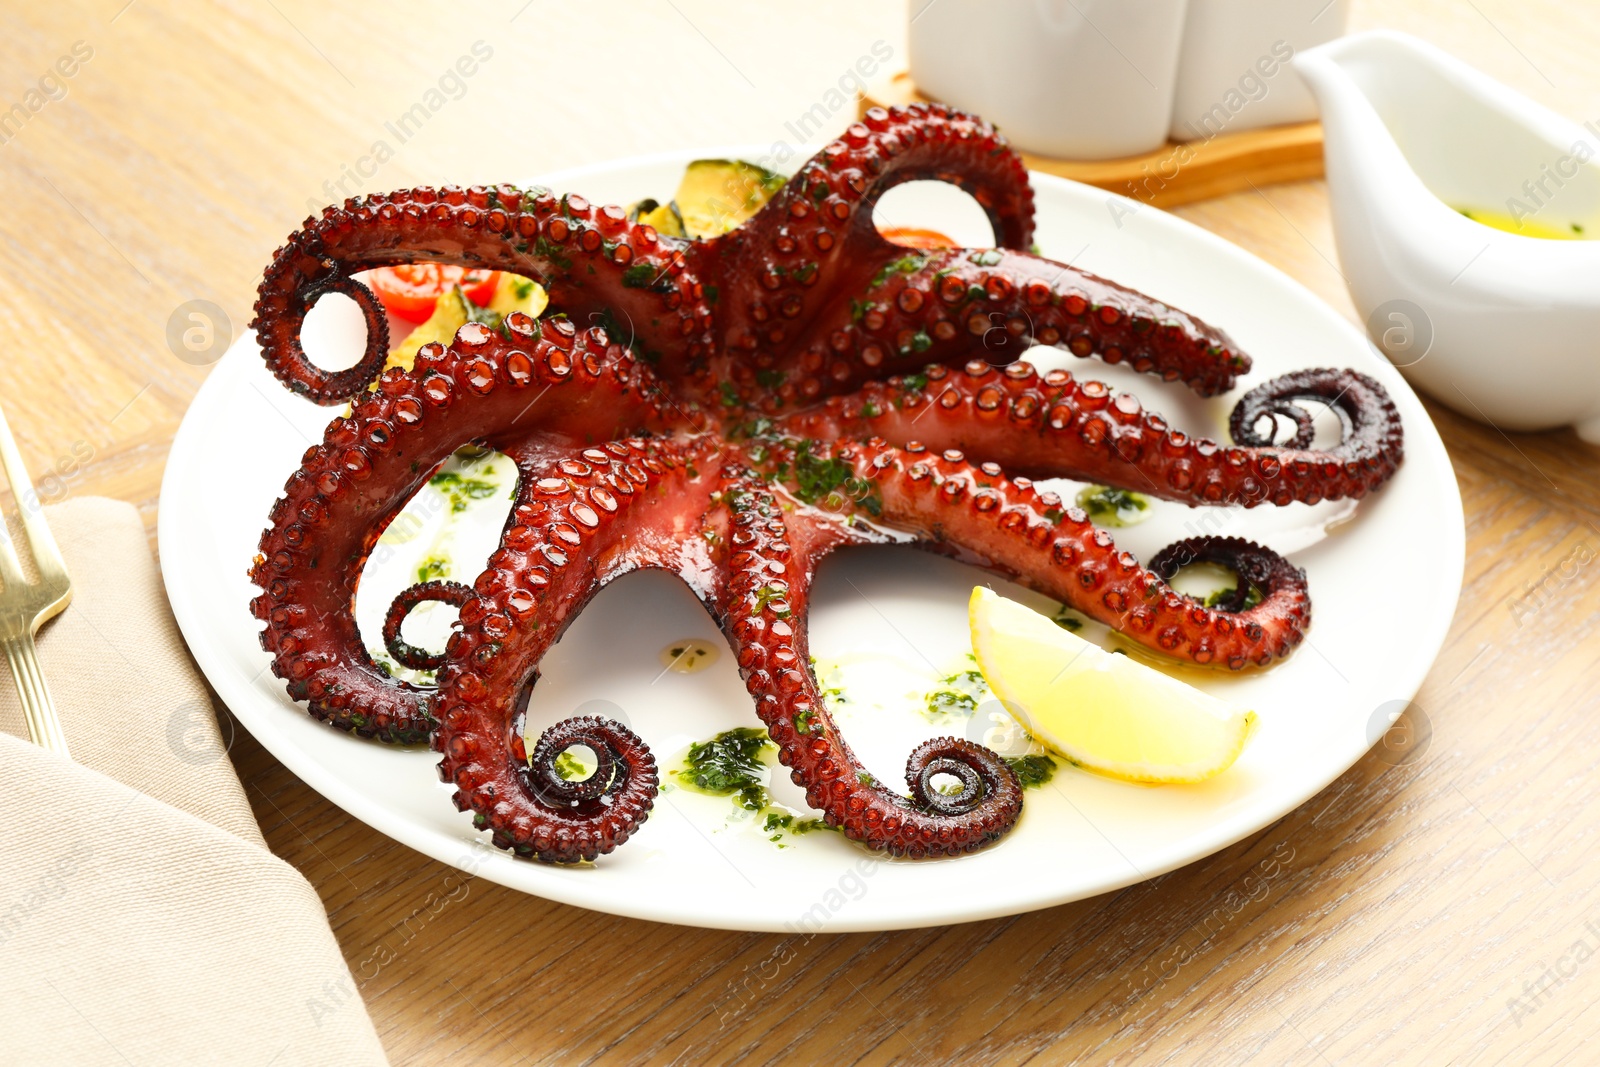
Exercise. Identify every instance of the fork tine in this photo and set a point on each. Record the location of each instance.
(42, 543)
(10, 568)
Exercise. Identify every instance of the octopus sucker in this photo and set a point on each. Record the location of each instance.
(747, 404)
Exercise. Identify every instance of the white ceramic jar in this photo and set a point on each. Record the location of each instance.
(1080, 79)
(1105, 79)
(1234, 72)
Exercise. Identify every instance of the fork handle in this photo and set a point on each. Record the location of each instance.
(44, 725)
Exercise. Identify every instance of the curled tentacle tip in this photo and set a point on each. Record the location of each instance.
(280, 321)
(621, 759)
(1256, 567)
(984, 780)
(405, 653)
(1360, 403)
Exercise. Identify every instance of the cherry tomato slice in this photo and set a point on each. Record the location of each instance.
(916, 237)
(480, 285)
(411, 290)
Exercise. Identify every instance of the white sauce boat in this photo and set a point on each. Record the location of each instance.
(1502, 327)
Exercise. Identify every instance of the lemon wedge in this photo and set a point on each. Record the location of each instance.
(1104, 711)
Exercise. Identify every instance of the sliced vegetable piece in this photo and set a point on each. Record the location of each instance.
(516, 293)
(411, 290)
(451, 312)
(716, 195)
(915, 237)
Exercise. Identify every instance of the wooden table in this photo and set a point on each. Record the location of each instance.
(1425, 912)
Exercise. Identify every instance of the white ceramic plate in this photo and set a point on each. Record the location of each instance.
(895, 608)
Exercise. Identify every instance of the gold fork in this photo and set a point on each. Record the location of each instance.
(25, 606)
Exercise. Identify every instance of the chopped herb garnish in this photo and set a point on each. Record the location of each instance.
(817, 479)
(461, 491)
(1252, 597)
(909, 263)
(1032, 771)
(957, 697)
(768, 596)
(1068, 619)
(1110, 506)
(570, 769)
(730, 764)
(638, 276)
(547, 249)
(760, 426)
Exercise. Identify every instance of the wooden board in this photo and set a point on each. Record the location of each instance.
(1174, 173)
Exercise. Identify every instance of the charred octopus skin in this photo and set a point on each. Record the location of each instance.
(751, 403)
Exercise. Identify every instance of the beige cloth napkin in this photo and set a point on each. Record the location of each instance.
(142, 918)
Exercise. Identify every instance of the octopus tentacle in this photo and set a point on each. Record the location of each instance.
(405, 653)
(487, 386)
(979, 514)
(822, 218)
(956, 305)
(1055, 426)
(770, 641)
(573, 531)
(594, 261)
(819, 227)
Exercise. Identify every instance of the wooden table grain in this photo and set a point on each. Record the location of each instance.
(1442, 909)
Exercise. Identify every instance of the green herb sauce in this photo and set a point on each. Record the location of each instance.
(956, 698)
(829, 684)
(730, 764)
(570, 768)
(817, 480)
(1108, 506)
(433, 568)
(461, 491)
(1252, 597)
(1068, 619)
(1032, 771)
(778, 821)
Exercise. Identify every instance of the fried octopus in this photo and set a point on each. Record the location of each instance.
(738, 408)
